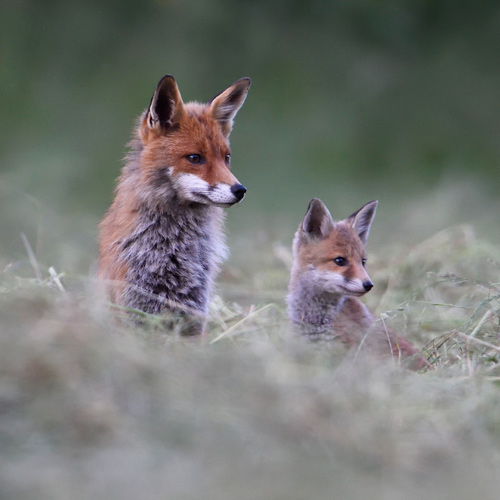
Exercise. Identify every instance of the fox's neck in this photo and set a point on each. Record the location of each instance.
(311, 308)
(173, 253)
(184, 214)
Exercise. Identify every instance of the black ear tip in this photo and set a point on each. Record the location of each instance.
(165, 79)
(243, 84)
(373, 204)
(315, 208)
(315, 203)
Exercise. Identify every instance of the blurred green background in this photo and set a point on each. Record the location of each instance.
(351, 101)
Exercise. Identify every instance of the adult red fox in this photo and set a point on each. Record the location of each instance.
(328, 274)
(161, 241)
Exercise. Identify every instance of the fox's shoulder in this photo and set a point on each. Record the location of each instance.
(352, 321)
(354, 311)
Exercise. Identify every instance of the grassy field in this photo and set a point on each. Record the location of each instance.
(350, 102)
(92, 407)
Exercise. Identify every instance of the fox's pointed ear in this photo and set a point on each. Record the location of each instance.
(362, 220)
(225, 105)
(317, 223)
(166, 105)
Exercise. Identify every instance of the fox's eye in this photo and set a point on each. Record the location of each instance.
(340, 261)
(228, 160)
(363, 261)
(196, 158)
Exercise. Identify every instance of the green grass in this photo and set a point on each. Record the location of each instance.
(94, 406)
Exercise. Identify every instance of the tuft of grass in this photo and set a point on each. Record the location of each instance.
(93, 405)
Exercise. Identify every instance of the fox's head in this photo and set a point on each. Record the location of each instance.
(185, 147)
(331, 255)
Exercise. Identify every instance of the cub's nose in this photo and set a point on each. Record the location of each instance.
(238, 191)
(367, 285)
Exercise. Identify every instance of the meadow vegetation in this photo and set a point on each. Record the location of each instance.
(94, 405)
(350, 102)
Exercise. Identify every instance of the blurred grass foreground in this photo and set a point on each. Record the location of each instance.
(92, 407)
(350, 101)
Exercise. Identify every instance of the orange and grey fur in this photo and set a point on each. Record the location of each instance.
(162, 241)
(328, 274)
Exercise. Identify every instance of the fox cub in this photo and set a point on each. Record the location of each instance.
(328, 274)
(161, 241)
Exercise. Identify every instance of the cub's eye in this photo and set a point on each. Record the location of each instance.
(363, 261)
(340, 261)
(196, 158)
(228, 160)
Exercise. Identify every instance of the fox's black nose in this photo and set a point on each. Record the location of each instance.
(367, 285)
(239, 191)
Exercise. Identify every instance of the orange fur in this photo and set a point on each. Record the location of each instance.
(328, 274)
(196, 132)
(119, 223)
(161, 240)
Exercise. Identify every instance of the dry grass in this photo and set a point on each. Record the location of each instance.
(97, 408)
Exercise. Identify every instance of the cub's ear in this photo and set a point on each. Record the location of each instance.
(225, 105)
(166, 106)
(362, 220)
(317, 223)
